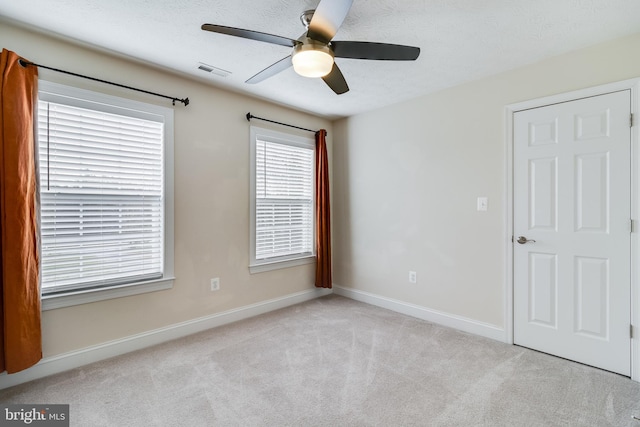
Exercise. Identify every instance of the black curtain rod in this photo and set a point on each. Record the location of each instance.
(185, 101)
(251, 116)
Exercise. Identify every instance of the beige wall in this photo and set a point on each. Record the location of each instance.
(211, 199)
(407, 178)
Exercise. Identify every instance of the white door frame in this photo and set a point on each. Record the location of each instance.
(510, 110)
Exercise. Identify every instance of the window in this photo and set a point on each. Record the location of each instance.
(282, 200)
(106, 194)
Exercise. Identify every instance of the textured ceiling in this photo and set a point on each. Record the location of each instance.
(460, 40)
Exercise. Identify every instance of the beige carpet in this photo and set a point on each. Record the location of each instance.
(337, 362)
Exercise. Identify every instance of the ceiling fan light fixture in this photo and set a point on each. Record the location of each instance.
(312, 59)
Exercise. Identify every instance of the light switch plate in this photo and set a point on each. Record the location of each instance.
(483, 203)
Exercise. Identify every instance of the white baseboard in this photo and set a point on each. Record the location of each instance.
(452, 321)
(64, 362)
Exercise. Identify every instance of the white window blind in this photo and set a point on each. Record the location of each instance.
(101, 186)
(284, 200)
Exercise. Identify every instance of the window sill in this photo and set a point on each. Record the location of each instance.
(268, 266)
(51, 302)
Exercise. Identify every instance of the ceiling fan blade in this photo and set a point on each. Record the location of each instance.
(379, 51)
(271, 70)
(251, 35)
(335, 80)
(327, 18)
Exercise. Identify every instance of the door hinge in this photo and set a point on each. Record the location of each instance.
(631, 226)
(630, 331)
(631, 120)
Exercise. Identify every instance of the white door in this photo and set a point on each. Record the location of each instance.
(572, 202)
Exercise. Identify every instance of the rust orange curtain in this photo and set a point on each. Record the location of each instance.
(20, 333)
(323, 213)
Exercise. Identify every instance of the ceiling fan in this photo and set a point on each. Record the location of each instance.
(314, 52)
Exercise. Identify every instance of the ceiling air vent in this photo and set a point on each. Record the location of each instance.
(213, 70)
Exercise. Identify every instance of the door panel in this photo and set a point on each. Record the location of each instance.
(572, 201)
(592, 193)
(542, 193)
(591, 297)
(543, 289)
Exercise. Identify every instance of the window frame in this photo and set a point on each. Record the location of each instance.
(58, 93)
(259, 266)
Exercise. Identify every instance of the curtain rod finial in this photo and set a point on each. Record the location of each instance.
(185, 101)
(249, 117)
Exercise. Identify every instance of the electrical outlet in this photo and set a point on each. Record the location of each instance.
(413, 277)
(215, 284)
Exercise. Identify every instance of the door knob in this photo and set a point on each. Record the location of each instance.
(522, 240)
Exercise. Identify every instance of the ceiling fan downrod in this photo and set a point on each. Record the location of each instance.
(306, 16)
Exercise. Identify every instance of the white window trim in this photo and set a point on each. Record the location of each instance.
(80, 97)
(256, 266)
